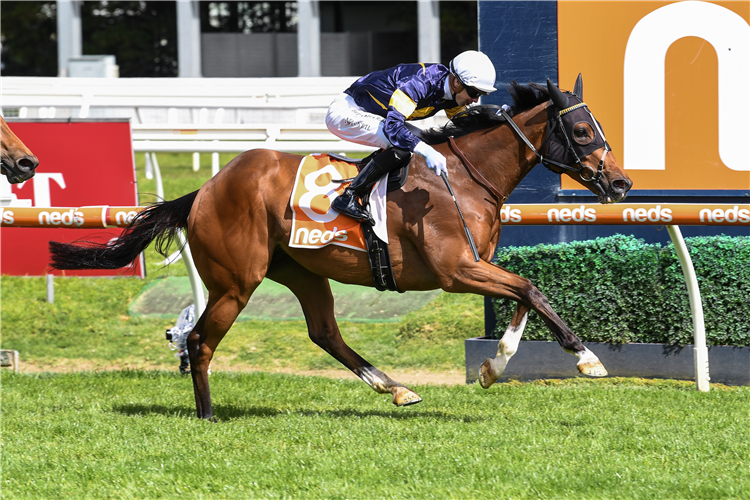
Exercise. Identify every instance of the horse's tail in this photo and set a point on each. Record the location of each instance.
(159, 222)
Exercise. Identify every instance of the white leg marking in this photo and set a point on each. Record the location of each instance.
(589, 364)
(507, 347)
(375, 379)
(586, 356)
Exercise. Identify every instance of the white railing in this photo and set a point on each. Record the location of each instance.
(87, 97)
(228, 138)
(195, 115)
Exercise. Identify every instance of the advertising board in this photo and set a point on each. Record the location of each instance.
(667, 80)
(81, 163)
(671, 83)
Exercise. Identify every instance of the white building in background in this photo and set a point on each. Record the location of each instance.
(316, 53)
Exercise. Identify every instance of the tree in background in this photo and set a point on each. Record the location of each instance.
(28, 31)
(248, 17)
(141, 35)
(458, 29)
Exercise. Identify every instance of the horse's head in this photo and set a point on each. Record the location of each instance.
(18, 162)
(577, 146)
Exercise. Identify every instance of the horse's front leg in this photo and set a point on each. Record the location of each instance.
(493, 368)
(494, 281)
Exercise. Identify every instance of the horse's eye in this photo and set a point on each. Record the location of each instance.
(583, 133)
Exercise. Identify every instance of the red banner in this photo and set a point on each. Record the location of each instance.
(81, 164)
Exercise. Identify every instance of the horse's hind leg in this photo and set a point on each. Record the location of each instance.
(316, 299)
(210, 329)
(492, 369)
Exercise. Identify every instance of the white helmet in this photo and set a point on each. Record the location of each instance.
(474, 69)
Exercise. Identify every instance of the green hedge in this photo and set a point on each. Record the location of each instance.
(619, 289)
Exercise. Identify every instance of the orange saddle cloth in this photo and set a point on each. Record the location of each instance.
(314, 224)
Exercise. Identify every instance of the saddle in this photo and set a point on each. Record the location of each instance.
(396, 179)
(377, 249)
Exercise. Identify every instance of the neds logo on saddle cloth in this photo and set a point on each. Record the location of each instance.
(314, 224)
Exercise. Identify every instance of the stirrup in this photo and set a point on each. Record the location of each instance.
(360, 216)
(349, 206)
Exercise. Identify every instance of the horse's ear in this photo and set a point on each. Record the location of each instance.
(558, 98)
(578, 89)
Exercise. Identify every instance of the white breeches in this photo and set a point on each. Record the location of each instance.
(350, 122)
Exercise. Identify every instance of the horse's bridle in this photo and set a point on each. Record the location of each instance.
(557, 121)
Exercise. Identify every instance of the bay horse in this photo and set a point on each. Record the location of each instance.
(18, 162)
(239, 222)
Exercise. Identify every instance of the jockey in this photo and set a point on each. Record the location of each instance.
(374, 111)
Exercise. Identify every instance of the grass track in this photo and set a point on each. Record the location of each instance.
(132, 434)
(88, 327)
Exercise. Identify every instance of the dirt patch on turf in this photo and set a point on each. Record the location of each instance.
(416, 377)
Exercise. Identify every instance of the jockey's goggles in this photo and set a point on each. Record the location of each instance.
(473, 92)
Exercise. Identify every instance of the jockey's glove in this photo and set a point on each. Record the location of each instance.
(435, 161)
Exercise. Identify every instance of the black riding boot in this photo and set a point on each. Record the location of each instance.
(348, 202)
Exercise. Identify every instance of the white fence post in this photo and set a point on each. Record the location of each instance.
(148, 167)
(157, 176)
(696, 308)
(215, 163)
(50, 288)
(199, 298)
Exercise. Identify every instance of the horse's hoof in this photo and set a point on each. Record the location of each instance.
(403, 396)
(486, 377)
(592, 368)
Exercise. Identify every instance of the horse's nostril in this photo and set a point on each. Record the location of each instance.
(621, 185)
(27, 163)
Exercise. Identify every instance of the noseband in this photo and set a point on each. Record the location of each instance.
(586, 173)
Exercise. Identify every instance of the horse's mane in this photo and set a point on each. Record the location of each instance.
(476, 118)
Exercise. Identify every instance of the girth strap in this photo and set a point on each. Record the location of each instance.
(476, 174)
(380, 261)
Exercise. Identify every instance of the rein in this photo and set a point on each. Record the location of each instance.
(476, 174)
(595, 176)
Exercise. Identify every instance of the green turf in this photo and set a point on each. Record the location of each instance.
(165, 298)
(88, 327)
(132, 435)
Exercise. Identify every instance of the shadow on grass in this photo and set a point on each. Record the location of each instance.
(140, 410)
(231, 413)
(226, 413)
